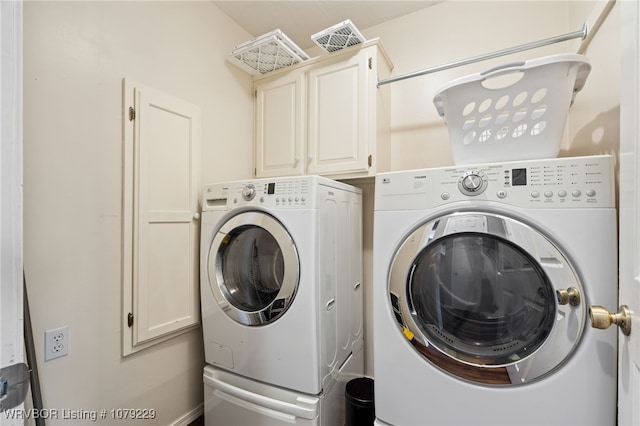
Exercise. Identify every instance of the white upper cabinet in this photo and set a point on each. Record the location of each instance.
(337, 133)
(325, 116)
(280, 125)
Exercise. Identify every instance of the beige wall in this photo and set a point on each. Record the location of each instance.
(594, 120)
(75, 57)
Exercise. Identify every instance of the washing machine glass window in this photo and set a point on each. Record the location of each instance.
(481, 298)
(478, 295)
(253, 268)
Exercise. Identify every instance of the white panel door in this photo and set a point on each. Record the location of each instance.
(629, 346)
(164, 176)
(11, 262)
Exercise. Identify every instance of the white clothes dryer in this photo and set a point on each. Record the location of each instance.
(281, 275)
(483, 278)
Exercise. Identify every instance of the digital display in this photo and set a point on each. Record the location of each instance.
(271, 188)
(518, 177)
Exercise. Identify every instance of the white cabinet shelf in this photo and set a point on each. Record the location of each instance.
(325, 116)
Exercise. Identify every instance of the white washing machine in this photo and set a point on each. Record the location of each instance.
(483, 278)
(281, 279)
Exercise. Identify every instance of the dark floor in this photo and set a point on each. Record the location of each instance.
(198, 422)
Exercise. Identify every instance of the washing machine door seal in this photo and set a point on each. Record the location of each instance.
(483, 297)
(253, 268)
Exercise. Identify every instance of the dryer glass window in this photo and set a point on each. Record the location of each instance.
(252, 267)
(481, 298)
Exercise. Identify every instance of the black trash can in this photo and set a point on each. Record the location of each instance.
(359, 408)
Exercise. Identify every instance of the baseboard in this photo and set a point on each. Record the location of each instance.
(190, 417)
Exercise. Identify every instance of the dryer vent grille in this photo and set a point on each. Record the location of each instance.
(339, 36)
(267, 53)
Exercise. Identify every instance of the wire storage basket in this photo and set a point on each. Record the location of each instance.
(516, 111)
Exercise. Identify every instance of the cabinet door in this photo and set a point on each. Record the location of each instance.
(280, 126)
(338, 132)
(161, 184)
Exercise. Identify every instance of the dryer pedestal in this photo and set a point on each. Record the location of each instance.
(233, 400)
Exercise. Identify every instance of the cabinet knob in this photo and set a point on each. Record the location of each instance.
(196, 216)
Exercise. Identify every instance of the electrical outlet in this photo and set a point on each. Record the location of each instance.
(56, 343)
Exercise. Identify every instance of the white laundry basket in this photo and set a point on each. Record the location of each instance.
(512, 112)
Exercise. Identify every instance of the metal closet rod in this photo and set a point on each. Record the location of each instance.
(569, 36)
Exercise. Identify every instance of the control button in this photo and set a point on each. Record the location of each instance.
(576, 193)
(445, 196)
(262, 199)
(548, 194)
(535, 194)
(277, 199)
(562, 193)
(591, 193)
(290, 199)
(297, 199)
(502, 194)
(303, 199)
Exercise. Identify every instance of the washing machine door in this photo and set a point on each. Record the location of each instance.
(487, 298)
(253, 268)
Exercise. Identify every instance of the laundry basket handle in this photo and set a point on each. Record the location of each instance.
(517, 66)
(503, 69)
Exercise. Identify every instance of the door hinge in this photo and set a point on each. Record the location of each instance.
(370, 160)
(132, 114)
(370, 63)
(130, 320)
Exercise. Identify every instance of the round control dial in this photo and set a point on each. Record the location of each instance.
(473, 183)
(248, 192)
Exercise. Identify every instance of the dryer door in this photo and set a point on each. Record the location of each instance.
(487, 298)
(253, 268)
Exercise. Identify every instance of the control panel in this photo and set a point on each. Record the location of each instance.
(276, 193)
(576, 182)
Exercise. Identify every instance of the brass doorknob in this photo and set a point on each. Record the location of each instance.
(601, 318)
